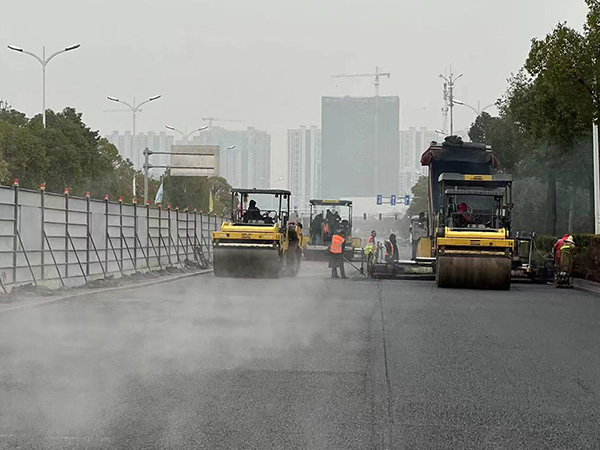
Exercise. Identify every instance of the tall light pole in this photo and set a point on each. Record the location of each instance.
(449, 85)
(135, 109)
(44, 62)
(186, 136)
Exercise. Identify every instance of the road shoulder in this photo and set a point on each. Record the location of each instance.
(26, 302)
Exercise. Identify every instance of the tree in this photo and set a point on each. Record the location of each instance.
(419, 197)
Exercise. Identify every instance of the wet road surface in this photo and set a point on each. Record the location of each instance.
(305, 363)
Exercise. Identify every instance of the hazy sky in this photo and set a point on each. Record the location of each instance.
(267, 62)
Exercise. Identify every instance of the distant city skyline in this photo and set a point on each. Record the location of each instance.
(156, 141)
(304, 164)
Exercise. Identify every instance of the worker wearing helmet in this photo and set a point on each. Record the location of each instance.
(464, 216)
(557, 246)
(336, 255)
(563, 274)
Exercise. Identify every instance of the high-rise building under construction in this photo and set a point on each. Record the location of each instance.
(360, 146)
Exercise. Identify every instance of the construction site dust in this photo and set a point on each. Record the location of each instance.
(88, 378)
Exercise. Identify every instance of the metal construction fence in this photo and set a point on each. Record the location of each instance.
(71, 240)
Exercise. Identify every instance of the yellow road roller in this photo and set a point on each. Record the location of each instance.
(469, 217)
(259, 240)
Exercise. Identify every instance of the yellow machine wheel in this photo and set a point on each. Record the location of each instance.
(473, 272)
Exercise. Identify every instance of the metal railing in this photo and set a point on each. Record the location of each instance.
(71, 240)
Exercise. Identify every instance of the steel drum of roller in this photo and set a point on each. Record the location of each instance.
(474, 272)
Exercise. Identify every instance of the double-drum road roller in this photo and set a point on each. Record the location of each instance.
(255, 242)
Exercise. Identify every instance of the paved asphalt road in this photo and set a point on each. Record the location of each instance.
(304, 363)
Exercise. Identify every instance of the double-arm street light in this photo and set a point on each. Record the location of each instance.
(44, 62)
(186, 136)
(135, 109)
(477, 110)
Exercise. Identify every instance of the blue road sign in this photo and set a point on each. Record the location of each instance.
(393, 200)
(380, 199)
(407, 199)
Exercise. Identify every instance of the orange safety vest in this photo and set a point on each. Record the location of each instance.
(336, 244)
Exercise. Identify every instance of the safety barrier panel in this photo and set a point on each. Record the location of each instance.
(71, 240)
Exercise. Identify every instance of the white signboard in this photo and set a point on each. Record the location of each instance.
(201, 160)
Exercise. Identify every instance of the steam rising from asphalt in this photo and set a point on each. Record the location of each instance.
(137, 367)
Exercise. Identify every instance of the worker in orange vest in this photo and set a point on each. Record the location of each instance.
(336, 255)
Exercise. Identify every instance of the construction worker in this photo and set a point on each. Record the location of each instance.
(371, 238)
(316, 229)
(557, 246)
(465, 218)
(564, 267)
(336, 255)
(391, 249)
(253, 213)
(370, 248)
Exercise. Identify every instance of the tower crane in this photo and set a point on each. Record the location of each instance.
(377, 76)
(210, 121)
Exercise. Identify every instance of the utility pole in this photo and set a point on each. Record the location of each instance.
(449, 97)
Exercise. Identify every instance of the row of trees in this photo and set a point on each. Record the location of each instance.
(543, 133)
(67, 153)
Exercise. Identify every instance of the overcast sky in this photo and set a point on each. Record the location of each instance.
(267, 62)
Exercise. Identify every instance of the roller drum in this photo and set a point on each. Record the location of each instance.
(246, 262)
(473, 272)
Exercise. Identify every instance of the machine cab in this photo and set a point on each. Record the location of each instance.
(260, 207)
(475, 202)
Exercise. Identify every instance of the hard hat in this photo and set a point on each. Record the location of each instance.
(570, 240)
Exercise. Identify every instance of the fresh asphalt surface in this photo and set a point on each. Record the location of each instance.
(305, 363)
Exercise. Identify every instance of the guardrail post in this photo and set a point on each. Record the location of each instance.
(66, 232)
(88, 232)
(15, 231)
(148, 230)
(177, 226)
(135, 233)
(106, 235)
(159, 231)
(121, 230)
(169, 223)
(202, 231)
(187, 232)
(43, 227)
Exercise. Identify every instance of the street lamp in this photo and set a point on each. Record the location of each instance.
(186, 136)
(134, 110)
(477, 110)
(44, 62)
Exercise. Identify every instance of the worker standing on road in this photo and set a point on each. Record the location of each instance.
(371, 238)
(336, 255)
(557, 246)
(370, 248)
(563, 274)
(391, 249)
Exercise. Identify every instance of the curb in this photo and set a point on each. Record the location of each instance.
(84, 293)
(586, 286)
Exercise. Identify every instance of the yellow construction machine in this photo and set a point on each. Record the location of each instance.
(328, 217)
(468, 221)
(258, 242)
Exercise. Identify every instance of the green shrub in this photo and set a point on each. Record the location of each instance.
(587, 254)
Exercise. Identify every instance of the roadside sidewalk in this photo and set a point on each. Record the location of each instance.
(585, 285)
(18, 302)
